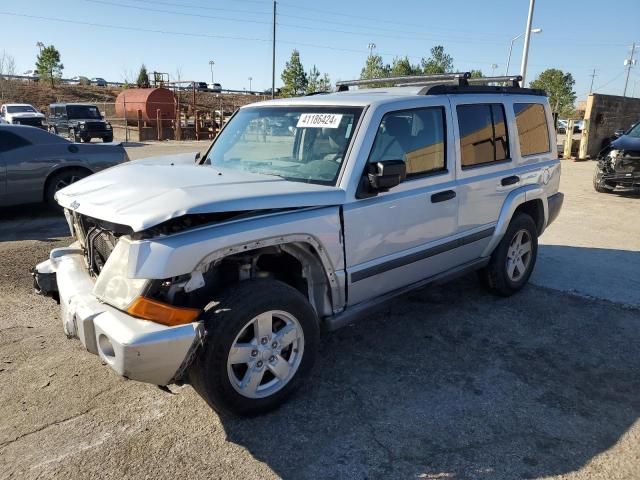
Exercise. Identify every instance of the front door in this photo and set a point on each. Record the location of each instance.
(399, 237)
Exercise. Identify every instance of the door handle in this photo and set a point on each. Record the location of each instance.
(512, 180)
(443, 196)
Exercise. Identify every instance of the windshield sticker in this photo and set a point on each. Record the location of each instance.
(319, 120)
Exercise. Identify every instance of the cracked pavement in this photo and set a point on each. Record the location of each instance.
(444, 382)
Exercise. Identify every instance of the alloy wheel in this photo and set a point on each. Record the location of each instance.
(266, 354)
(519, 255)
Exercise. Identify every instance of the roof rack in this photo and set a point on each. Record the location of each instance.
(458, 79)
(405, 80)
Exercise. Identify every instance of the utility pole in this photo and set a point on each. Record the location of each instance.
(273, 55)
(527, 37)
(629, 63)
(211, 64)
(250, 78)
(593, 75)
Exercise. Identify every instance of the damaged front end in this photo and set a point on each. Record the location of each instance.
(618, 167)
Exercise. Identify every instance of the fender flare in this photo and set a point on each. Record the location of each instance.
(512, 202)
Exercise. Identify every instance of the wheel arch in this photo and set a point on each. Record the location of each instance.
(298, 260)
(62, 168)
(531, 200)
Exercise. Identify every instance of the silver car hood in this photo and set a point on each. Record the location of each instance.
(143, 194)
(26, 115)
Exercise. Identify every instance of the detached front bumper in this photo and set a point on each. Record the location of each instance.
(136, 349)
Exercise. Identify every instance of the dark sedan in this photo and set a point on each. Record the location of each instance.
(35, 164)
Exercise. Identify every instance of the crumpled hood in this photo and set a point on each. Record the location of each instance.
(142, 194)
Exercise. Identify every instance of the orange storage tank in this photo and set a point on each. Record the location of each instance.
(147, 100)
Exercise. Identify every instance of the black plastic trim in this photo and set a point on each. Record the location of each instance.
(421, 255)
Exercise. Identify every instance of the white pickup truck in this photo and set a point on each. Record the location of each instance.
(21, 114)
(303, 214)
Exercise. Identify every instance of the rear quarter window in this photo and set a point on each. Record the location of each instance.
(11, 141)
(533, 131)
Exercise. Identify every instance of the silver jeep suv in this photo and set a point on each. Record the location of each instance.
(304, 213)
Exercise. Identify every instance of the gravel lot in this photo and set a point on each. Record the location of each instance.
(446, 382)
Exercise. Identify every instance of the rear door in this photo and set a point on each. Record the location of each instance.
(396, 238)
(485, 168)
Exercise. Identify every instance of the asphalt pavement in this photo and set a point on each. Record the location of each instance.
(445, 382)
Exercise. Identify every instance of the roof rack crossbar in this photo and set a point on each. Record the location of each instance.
(459, 78)
(409, 80)
(514, 79)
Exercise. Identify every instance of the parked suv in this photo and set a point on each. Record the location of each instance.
(79, 122)
(222, 273)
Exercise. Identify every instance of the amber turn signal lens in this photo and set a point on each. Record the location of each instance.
(163, 313)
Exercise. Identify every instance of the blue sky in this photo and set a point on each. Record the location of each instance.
(115, 36)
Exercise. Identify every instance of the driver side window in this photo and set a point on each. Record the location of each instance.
(416, 136)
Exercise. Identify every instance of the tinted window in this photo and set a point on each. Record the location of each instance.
(83, 111)
(533, 133)
(416, 136)
(11, 141)
(483, 134)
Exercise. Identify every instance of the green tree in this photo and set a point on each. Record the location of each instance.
(48, 64)
(143, 77)
(402, 67)
(313, 80)
(559, 88)
(476, 74)
(294, 77)
(324, 84)
(438, 62)
(374, 68)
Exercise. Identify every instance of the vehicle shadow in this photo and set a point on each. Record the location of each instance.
(450, 382)
(32, 222)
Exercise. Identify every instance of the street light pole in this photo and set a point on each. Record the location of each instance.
(211, 64)
(371, 47)
(527, 38)
(40, 45)
(533, 30)
(250, 83)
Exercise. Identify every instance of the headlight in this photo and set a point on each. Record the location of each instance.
(113, 286)
(82, 125)
(614, 153)
(108, 126)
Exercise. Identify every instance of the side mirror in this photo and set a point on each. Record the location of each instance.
(618, 133)
(387, 174)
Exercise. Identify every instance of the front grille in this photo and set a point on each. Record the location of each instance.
(32, 122)
(100, 243)
(95, 126)
(97, 242)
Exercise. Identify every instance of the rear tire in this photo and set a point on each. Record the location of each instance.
(107, 139)
(514, 258)
(261, 344)
(60, 180)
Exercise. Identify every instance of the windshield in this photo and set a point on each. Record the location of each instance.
(21, 109)
(83, 111)
(634, 131)
(304, 144)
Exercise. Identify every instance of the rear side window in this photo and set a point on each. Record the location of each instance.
(10, 141)
(533, 132)
(416, 136)
(483, 134)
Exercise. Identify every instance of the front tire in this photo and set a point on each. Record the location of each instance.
(262, 341)
(599, 184)
(73, 136)
(513, 260)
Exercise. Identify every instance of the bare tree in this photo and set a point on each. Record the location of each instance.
(7, 67)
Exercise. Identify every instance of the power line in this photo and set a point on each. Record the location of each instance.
(301, 27)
